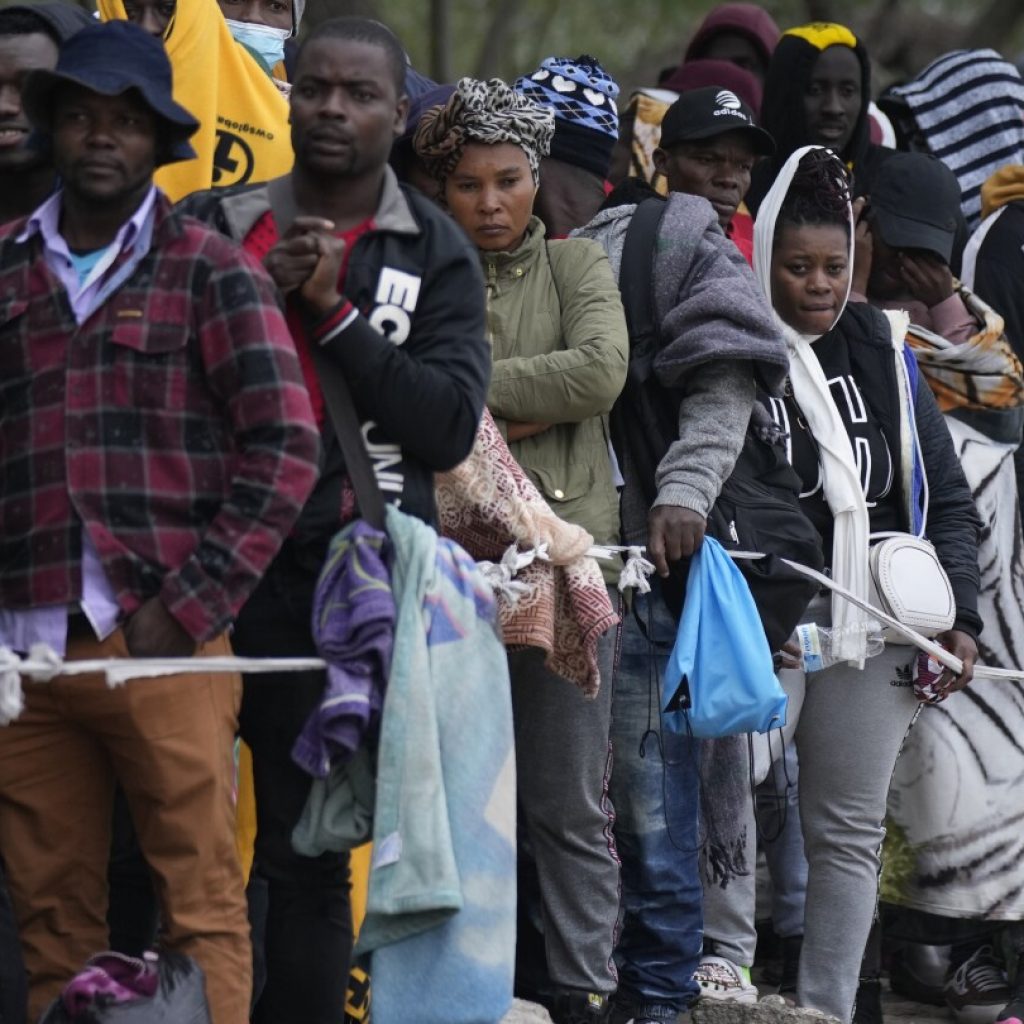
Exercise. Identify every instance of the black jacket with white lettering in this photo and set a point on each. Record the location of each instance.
(416, 357)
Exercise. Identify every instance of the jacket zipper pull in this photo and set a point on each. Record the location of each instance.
(732, 531)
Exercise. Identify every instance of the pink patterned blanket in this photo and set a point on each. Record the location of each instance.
(489, 503)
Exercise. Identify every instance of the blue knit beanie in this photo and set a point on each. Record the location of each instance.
(582, 95)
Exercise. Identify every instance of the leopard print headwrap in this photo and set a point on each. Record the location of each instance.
(490, 112)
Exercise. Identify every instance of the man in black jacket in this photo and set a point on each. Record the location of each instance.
(390, 289)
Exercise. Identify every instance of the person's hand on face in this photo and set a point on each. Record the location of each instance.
(297, 253)
(863, 247)
(673, 533)
(929, 279)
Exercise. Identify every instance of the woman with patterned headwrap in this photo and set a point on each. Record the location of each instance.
(559, 344)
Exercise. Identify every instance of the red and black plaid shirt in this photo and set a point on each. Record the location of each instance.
(173, 423)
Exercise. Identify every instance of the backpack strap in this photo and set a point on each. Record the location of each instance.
(636, 285)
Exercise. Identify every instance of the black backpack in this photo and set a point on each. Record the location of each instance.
(759, 506)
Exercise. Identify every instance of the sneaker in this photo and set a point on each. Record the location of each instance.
(978, 990)
(580, 1008)
(722, 979)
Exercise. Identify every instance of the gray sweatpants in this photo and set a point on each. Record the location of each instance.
(851, 728)
(563, 759)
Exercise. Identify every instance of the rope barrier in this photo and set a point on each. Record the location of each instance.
(43, 664)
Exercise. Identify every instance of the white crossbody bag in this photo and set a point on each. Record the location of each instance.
(907, 578)
(909, 583)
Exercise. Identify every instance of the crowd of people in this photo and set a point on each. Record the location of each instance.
(441, 392)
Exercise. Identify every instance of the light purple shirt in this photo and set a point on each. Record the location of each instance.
(19, 629)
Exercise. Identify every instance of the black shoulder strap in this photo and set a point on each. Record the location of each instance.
(339, 403)
(337, 396)
(636, 271)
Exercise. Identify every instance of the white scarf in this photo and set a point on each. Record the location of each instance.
(840, 477)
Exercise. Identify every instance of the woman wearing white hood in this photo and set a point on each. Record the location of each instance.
(874, 455)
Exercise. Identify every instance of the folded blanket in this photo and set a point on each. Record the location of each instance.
(489, 503)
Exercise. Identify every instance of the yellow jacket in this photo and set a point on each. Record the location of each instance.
(243, 134)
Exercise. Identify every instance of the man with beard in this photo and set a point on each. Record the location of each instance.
(390, 290)
(158, 444)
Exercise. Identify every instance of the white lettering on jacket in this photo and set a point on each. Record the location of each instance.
(396, 298)
(397, 294)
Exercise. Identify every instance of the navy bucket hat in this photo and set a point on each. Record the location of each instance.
(110, 59)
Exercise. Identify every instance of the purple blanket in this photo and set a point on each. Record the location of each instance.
(354, 631)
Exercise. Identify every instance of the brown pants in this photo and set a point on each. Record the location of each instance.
(169, 743)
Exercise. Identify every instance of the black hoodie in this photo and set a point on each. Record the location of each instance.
(782, 110)
(64, 19)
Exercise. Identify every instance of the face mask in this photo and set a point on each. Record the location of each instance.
(263, 41)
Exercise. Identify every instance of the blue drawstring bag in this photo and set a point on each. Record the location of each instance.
(719, 680)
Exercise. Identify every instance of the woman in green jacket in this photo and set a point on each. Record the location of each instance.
(560, 349)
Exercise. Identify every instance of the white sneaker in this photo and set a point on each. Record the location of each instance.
(722, 979)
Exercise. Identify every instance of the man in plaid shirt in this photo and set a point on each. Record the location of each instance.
(156, 445)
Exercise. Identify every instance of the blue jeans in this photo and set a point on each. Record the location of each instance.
(655, 788)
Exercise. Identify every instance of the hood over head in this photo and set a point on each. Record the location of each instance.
(698, 74)
(748, 20)
(968, 108)
(65, 20)
(765, 226)
(782, 113)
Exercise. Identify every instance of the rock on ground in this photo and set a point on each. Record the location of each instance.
(769, 1010)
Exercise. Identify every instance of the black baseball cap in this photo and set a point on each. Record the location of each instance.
(705, 113)
(915, 203)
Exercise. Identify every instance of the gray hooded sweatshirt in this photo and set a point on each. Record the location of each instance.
(718, 337)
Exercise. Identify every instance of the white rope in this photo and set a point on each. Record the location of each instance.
(937, 651)
(502, 575)
(43, 664)
(12, 700)
(635, 572)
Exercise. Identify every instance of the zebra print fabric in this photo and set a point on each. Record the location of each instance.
(969, 105)
(958, 789)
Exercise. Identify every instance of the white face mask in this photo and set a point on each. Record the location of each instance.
(266, 42)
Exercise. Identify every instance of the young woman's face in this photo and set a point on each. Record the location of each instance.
(490, 194)
(810, 275)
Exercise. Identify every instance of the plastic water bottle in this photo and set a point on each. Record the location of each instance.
(816, 645)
